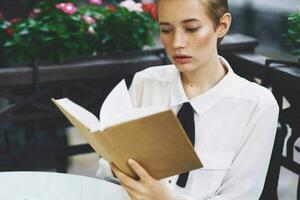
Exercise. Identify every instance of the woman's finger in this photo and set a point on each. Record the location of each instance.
(125, 180)
(131, 192)
(139, 170)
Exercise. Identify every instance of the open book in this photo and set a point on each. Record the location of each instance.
(150, 135)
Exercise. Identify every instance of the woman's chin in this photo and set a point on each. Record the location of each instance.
(184, 67)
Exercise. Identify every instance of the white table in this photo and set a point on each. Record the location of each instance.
(56, 186)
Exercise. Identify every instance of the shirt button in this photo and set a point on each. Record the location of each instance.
(170, 181)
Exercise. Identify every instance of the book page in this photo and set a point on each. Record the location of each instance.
(135, 113)
(81, 114)
(118, 108)
(115, 103)
(30, 197)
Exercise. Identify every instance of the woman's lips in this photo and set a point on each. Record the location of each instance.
(182, 59)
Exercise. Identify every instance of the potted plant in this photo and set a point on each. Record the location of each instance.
(293, 35)
(58, 30)
(4, 33)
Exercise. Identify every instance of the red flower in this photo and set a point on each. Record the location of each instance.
(15, 20)
(9, 31)
(111, 8)
(1, 16)
(151, 9)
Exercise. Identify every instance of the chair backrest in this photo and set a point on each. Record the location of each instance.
(285, 83)
(271, 182)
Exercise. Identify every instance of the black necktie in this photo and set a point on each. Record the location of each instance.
(186, 117)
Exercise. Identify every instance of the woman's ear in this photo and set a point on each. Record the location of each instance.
(224, 25)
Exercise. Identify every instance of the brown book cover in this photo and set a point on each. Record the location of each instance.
(157, 141)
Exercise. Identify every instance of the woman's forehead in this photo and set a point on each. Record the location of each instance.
(180, 10)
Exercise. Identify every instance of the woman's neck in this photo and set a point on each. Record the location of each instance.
(203, 78)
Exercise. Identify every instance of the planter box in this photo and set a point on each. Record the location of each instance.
(31, 128)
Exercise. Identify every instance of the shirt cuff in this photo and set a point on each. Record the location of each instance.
(104, 169)
(184, 197)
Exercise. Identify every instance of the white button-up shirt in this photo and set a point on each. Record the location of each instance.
(235, 125)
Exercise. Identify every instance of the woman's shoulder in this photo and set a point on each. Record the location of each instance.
(152, 85)
(253, 92)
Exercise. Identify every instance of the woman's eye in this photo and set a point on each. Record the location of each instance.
(166, 30)
(192, 30)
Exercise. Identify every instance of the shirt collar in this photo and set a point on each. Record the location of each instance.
(204, 101)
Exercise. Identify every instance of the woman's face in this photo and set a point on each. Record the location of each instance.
(187, 33)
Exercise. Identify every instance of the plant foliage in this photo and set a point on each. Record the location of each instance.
(57, 30)
(293, 35)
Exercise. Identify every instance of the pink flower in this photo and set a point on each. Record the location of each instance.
(35, 12)
(68, 8)
(91, 30)
(88, 19)
(132, 5)
(97, 2)
(60, 5)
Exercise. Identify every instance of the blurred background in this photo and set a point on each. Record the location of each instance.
(258, 33)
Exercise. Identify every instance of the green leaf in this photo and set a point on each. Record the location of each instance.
(64, 35)
(44, 28)
(9, 44)
(75, 17)
(60, 28)
(3, 26)
(47, 39)
(24, 32)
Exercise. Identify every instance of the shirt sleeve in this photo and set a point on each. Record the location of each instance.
(245, 179)
(136, 90)
(104, 169)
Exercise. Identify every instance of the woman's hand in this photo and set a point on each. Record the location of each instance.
(147, 188)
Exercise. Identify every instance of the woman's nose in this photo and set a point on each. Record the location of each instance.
(179, 40)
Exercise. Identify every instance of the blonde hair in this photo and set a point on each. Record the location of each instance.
(215, 10)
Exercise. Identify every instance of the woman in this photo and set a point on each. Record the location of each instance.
(234, 120)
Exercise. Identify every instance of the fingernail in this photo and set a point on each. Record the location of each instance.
(130, 161)
(112, 165)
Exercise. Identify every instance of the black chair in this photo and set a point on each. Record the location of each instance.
(284, 78)
(248, 65)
